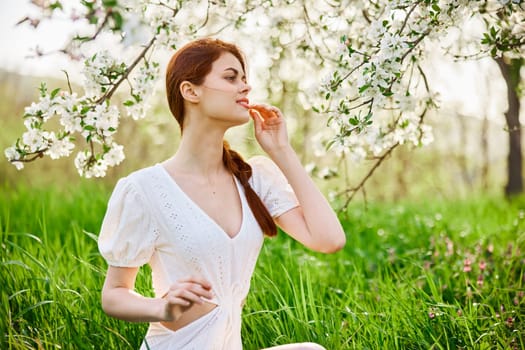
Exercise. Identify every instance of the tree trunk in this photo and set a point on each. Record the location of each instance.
(511, 74)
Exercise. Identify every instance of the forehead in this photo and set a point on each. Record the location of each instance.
(225, 61)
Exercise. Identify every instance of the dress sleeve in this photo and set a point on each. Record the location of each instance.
(272, 186)
(127, 236)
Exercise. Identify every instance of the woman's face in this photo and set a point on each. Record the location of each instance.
(225, 90)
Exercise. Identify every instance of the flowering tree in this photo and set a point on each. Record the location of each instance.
(374, 94)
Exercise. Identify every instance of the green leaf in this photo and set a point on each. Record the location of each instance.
(89, 4)
(493, 32)
(354, 121)
(363, 88)
(56, 5)
(109, 3)
(117, 18)
(128, 103)
(54, 93)
(43, 89)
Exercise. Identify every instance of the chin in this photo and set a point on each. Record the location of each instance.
(241, 119)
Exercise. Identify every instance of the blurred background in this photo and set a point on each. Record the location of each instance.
(467, 157)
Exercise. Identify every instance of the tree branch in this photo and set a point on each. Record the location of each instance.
(115, 86)
(361, 184)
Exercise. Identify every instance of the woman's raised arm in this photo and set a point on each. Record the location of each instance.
(314, 223)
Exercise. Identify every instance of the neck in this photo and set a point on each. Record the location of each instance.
(199, 152)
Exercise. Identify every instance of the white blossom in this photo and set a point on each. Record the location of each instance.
(115, 155)
(143, 83)
(72, 122)
(96, 73)
(97, 169)
(11, 153)
(137, 110)
(427, 137)
(33, 109)
(367, 71)
(18, 165)
(103, 118)
(309, 168)
(60, 148)
(35, 139)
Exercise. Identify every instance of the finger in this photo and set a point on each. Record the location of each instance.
(198, 280)
(196, 289)
(257, 120)
(266, 111)
(177, 301)
(189, 296)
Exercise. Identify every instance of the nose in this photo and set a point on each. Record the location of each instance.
(245, 88)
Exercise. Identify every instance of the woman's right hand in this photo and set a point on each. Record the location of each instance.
(183, 294)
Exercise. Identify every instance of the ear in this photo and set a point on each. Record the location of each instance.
(189, 92)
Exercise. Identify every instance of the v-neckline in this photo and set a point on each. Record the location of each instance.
(202, 211)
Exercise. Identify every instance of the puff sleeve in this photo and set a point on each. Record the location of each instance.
(272, 186)
(127, 236)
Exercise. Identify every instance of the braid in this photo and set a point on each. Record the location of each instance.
(243, 172)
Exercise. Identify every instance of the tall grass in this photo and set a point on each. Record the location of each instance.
(426, 275)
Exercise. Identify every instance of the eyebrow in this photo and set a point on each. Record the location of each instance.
(233, 69)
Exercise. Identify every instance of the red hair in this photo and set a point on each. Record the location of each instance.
(192, 63)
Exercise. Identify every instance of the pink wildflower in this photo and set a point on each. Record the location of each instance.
(480, 281)
(466, 265)
(482, 265)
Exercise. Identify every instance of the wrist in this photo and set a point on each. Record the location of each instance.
(161, 309)
(282, 155)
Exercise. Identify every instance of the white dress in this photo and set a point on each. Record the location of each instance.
(150, 219)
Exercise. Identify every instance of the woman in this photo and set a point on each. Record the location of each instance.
(199, 217)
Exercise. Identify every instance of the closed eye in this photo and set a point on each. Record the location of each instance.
(235, 75)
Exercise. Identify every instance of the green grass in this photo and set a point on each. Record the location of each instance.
(400, 282)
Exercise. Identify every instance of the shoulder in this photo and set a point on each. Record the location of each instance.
(136, 185)
(141, 178)
(262, 164)
(144, 173)
(265, 173)
(271, 186)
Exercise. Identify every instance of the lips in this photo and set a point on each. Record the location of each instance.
(244, 102)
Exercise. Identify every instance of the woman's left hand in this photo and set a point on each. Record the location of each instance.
(270, 127)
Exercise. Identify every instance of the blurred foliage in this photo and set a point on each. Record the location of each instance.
(450, 168)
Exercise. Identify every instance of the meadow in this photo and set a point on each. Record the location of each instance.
(427, 274)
